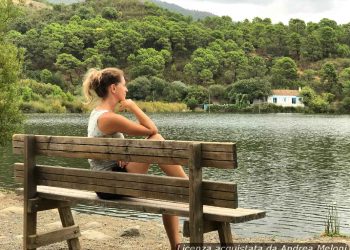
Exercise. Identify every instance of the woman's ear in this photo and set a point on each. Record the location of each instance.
(113, 88)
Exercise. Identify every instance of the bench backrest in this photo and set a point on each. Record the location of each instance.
(218, 155)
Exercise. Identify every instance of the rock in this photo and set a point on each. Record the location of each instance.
(13, 210)
(95, 235)
(2, 196)
(131, 232)
(92, 224)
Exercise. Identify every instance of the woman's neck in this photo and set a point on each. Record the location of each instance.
(107, 104)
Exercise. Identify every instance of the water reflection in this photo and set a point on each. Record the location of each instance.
(291, 165)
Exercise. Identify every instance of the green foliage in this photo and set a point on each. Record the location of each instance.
(162, 107)
(10, 68)
(249, 89)
(217, 91)
(148, 62)
(198, 93)
(329, 80)
(8, 12)
(256, 108)
(284, 72)
(110, 13)
(175, 91)
(344, 80)
(316, 103)
(10, 116)
(202, 67)
(191, 103)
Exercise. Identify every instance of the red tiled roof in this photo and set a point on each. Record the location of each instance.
(285, 92)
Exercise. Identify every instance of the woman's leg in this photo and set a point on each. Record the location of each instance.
(171, 222)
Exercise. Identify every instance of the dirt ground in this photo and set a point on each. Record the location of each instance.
(102, 232)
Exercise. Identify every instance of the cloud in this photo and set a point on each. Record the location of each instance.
(292, 6)
(309, 6)
(256, 2)
(277, 10)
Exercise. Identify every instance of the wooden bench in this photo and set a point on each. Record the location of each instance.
(209, 205)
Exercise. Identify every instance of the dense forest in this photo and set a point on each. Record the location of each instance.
(169, 57)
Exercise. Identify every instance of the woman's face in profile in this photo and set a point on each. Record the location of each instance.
(121, 90)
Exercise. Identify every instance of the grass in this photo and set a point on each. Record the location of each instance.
(332, 224)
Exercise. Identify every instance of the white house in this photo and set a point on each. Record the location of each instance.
(285, 98)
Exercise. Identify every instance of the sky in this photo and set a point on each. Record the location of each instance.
(277, 10)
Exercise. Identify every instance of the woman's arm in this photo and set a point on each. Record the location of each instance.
(110, 122)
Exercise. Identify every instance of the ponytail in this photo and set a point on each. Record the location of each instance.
(90, 82)
(96, 82)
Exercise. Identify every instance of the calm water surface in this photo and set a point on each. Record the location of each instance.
(294, 166)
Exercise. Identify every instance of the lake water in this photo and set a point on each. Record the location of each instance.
(291, 165)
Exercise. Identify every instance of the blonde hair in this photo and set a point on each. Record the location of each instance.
(96, 82)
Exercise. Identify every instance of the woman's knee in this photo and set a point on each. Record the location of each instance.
(156, 137)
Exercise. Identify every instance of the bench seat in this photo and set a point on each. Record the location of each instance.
(210, 213)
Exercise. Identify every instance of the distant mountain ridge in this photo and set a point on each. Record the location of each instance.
(178, 9)
(64, 1)
(169, 6)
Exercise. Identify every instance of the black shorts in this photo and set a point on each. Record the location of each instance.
(108, 196)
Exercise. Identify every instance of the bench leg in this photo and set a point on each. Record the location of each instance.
(67, 220)
(29, 228)
(225, 234)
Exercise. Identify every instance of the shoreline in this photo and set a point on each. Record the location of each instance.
(105, 232)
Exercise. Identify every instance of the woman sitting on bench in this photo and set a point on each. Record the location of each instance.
(108, 87)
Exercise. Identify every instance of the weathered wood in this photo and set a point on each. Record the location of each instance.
(196, 202)
(144, 178)
(38, 204)
(225, 234)
(30, 189)
(67, 221)
(217, 155)
(130, 158)
(136, 185)
(44, 239)
(208, 226)
(108, 149)
(210, 213)
(159, 194)
(207, 146)
(128, 150)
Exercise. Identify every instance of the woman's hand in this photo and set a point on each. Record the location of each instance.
(128, 105)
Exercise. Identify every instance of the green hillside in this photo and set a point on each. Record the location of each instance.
(172, 58)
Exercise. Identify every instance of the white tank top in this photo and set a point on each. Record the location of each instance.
(94, 131)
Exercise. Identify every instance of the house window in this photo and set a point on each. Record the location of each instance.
(274, 100)
(294, 100)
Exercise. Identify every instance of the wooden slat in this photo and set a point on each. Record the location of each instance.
(161, 180)
(136, 186)
(107, 149)
(150, 206)
(196, 198)
(207, 146)
(53, 236)
(134, 192)
(102, 156)
(38, 204)
(217, 155)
